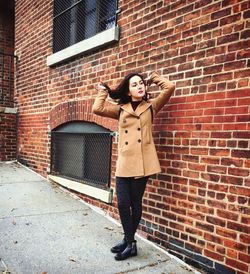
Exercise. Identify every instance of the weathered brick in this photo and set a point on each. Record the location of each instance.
(238, 227)
(232, 162)
(237, 264)
(241, 153)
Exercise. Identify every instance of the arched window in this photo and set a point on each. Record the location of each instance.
(81, 151)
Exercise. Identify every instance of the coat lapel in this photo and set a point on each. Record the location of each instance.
(139, 110)
(142, 107)
(128, 108)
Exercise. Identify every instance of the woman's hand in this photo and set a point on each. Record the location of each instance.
(101, 87)
(149, 80)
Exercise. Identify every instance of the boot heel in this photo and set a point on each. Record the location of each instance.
(130, 251)
(119, 247)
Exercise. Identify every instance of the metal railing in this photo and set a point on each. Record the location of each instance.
(7, 66)
(77, 20)
(83, 157)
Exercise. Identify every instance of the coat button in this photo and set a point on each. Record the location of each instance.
(138, 118)
(139, 140)
(126, 131)
(139, 128)
(126, 143)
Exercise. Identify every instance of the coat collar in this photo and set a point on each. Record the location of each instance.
(139, 110)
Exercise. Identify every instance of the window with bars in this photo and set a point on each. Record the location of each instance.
(82, 152)
(7, 63)
(77, 20)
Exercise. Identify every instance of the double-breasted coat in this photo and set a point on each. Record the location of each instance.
(137, 155)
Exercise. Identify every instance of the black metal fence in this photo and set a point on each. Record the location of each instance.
(77, 20)
(83, 157)
(7, 64)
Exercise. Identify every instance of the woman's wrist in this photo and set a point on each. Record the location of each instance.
(101, 87)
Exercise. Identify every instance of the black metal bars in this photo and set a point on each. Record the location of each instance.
(7, 62)
(77, 20)
(83, 157)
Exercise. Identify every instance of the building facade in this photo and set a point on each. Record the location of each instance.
(8, 114)
(198, 206)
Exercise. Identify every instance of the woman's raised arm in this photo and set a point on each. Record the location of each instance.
(102, 108)
(167, 89)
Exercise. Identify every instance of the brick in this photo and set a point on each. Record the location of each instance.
(241, 153)
(217, 169)
(221, 13)
(244, 258)
(230, 37)
(241, 135)
(239, 45)
(216, 221)
(232, 162)
(216, 204)
(245, 238)
(246, 14)
(229, 19)
(238, 227)
(226, 233)
(222, 77)
(213, 255)
(232, 180)
(236, 264)
(212, 238)
(225, 58)
(243, 118)
(238, 172)
(227, 215)
(242, 73)
(210, 177)
(240, 191)
(245, 220)
(219, 152)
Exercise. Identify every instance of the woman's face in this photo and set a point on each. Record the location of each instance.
(136, 88)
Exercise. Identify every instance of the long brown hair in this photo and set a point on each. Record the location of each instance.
(120, 93)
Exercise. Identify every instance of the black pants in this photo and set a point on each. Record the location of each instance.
(129, 196)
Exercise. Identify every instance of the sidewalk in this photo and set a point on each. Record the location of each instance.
(44, 229)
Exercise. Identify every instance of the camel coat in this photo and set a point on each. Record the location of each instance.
(137, 155)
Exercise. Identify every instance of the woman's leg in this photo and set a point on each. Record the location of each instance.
(137, 190)
(123, 191)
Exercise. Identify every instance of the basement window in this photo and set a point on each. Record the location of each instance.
(82, 25)
(81, 152)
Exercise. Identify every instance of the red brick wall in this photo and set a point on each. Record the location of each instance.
(7, 136)
(6, 61)
(7, 117)
(198, 207)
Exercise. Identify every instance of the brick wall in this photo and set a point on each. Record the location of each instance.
(8, 117)
(198, 207)
(7, 135)
(6, 61)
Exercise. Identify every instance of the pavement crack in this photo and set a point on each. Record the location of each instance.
(142, 267)
(5, 271)
(43, 214)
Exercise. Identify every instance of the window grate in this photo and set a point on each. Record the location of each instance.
(83, 157)
(77, 20)
(7, 63)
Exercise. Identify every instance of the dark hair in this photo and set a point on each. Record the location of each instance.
(120, 93)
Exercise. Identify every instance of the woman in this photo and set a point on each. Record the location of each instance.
(137, 157)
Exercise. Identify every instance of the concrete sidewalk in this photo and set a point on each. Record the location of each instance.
(44, 229)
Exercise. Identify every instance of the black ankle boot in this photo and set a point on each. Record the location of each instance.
(129, 251)
(119, 247)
